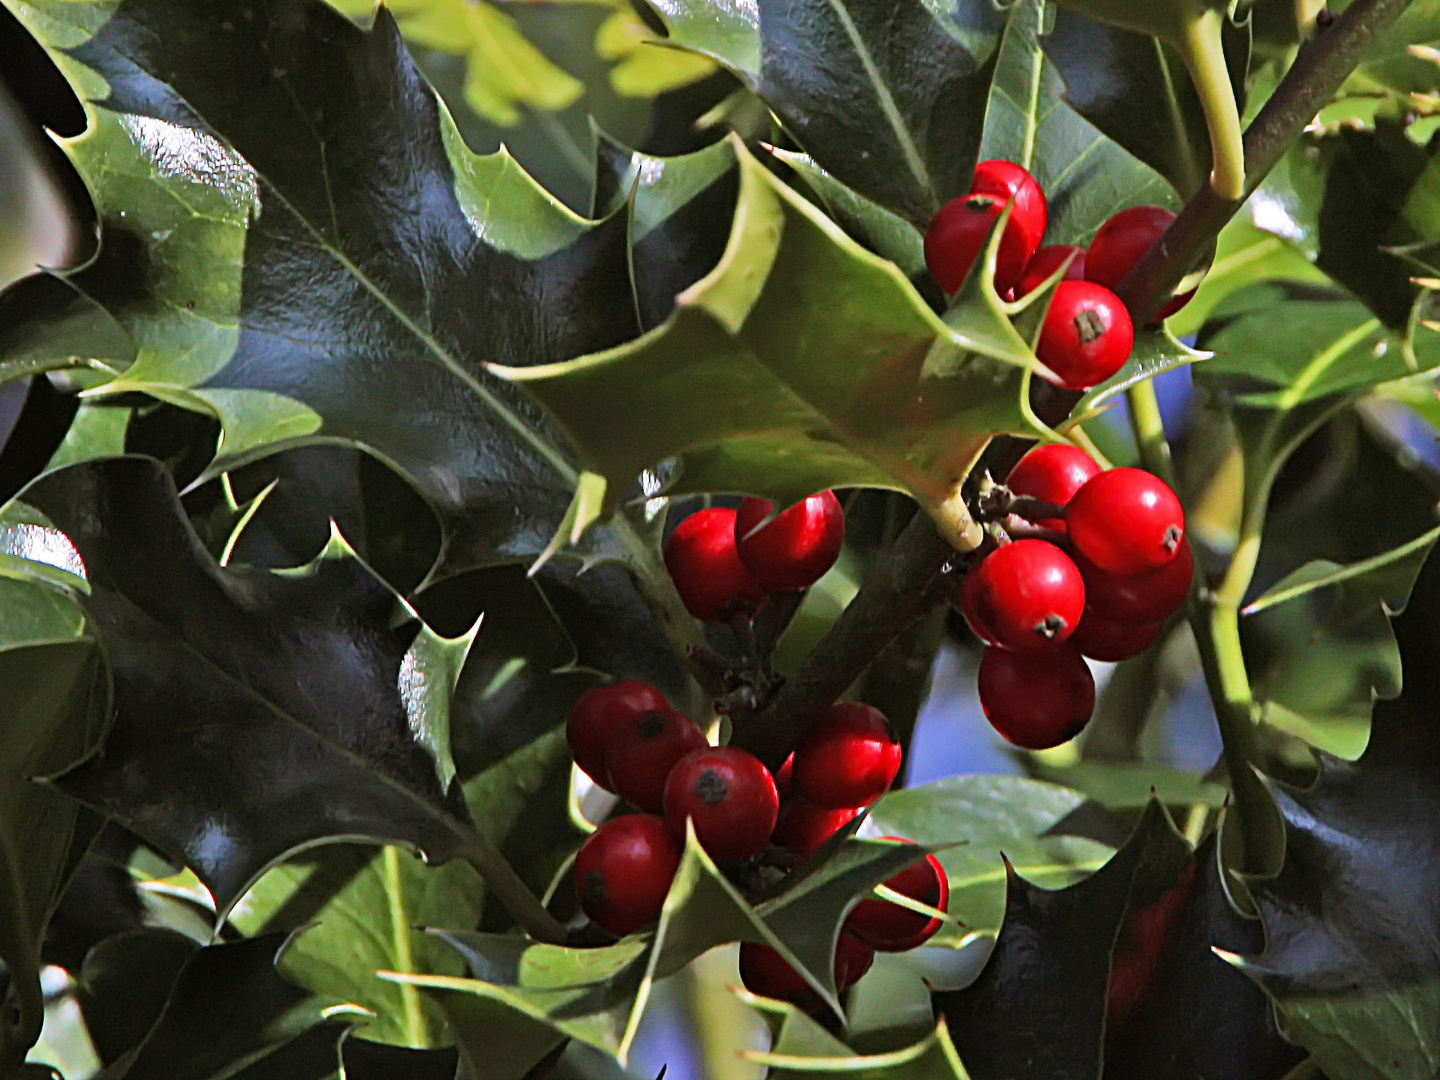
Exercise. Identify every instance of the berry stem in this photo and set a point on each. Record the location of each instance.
(1205, 57)
(505, 885)
(1149, 429)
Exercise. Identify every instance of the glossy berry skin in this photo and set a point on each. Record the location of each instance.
(1126, 521)
(706, 568)
(956, 238)
(1122, 242)
(624, 870)
(1048, 260)
(971, 589)
(1052, 473)
(765, 972)
(1036, 700)
(729, 795)
(598, 713)
(792, 551)
(802, 826)
(1030, 214)
(1029, 594)
(888, 927)
(1152, 596)
(1105, 639)
(848, 757)
(1086, 336)
(643, 751)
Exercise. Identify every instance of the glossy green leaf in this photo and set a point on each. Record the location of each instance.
(932, 1058)
(387, 254)
(745, 384)
(991, 816)
(50, 325)
(1039, 1006)
(1125, 785)
(230, 1014)
(124, 984)
(216, 678)
(1385, 579)
(1155, 352)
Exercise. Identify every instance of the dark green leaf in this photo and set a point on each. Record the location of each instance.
(230, 1014)
(1126, 785)
(1025, 820)
(228, 754)
(124, 984)
(1155, 352)
(1039, 1006)
(49, 325)
(887, 97)
(805, 1049)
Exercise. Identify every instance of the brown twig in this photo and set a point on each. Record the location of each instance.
(907, 583)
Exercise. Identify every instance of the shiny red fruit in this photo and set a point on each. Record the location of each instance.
(1028, 594)
(971, 587)
(1048, 260)
(1036, 700)
(888, 927)
(1122, 242)
(793, 550)
(802, 826)
(1086, 336)
(706, 568)
(596, 715)
(1052, 473)
(1030, 213)
(1147, 597)
(848, 758)
(956, 238)
(643, 751)
(1100, 638)
(624, 870)
(765, 972)
(729, 795)
(1126, 521)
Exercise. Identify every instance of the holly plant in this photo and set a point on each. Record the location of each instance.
(797, 537)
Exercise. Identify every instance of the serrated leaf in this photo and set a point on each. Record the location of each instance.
(386, 254)
(218, 675)
(230, 1014)
(745, 385)
(1384, 579)
(50, 325)
(932, 1058)
(990, 816)
(1155, 352)
(1127, 785)
(124, 984)
(1039, 1005)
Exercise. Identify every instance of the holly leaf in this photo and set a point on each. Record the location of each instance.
(386, 254)
(1155, 352)
(124, 984)
(1351, 957)
(52, 711)
(891, 106)
(215, 674)
(997, 821)
(50, 325)
(815, 1051)
(1130, 785)
(230, 1014)
(741, 383)
(1039, 1005)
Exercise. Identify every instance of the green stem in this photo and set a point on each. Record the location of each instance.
(1149, 429)
(505, 885)
(1204, 54)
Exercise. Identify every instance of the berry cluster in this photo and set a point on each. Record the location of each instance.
(1087, 333)
(1107, 564)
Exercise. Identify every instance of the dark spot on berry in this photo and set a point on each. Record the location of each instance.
(1051, 627)
(650, 726)
(1172, 538)
(1089, 325)
(595, 891)
(711, 787)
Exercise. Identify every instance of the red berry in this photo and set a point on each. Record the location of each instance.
(956, 238)
(596, 715)
(708, 573)
(1152, 596)
(1030, 214)
(792, 551)
(971, 588)
(1048, 260)
(1086, 336)
(645, 748)
(1126, 521)
(1028, 594)
(729, 795)
(1036, 700)
(848, 758)
(624, 871)
(1052, 473)
(765, 972)
(1100, 638)
(803, 826)
(887, 926)
(1122, 242)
